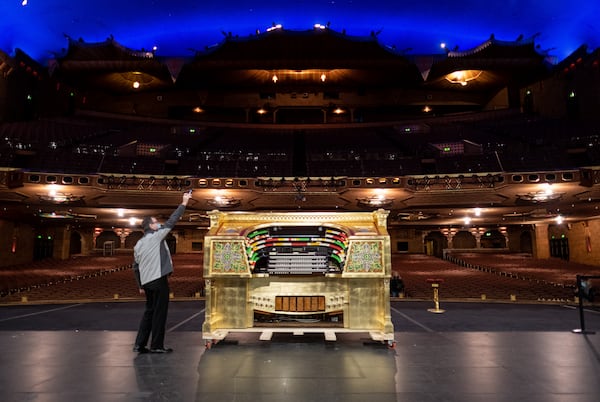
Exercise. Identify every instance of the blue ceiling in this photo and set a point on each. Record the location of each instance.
(180, 27)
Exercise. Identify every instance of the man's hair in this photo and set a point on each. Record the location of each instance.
(146, 223)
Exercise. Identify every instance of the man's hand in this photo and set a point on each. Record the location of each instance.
(186, 197)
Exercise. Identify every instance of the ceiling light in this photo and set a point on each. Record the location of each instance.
(274, 27)
(57, 197)
(540, 196)
(375, 201)
(221, 201)
(463, 77)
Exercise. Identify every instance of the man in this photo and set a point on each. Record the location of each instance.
(152, 266)
(396, 285)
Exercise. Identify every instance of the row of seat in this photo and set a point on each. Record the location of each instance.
(494, 280)
(493, 277)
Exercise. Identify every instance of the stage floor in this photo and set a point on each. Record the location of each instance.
(472, 352)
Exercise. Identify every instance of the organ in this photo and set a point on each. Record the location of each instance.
(297, 271)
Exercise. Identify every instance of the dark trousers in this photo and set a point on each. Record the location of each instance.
(154, 319)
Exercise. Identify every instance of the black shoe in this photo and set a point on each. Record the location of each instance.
(140, 349)
(161, 350)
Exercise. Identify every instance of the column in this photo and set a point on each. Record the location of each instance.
(541, 246)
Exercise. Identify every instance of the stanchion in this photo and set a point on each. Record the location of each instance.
(435, 284)
(581, 295)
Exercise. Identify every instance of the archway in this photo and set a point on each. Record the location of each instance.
(75, 243)
(493, 239)
(106, 236)
(526, 242)
(464, 239)
(132, 239)
(435, 243)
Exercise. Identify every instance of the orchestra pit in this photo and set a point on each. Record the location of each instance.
(324, 167)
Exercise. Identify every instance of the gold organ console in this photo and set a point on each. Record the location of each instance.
(297, 272)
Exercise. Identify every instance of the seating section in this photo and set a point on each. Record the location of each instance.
(92, 278)
(465, 276)
(497, 276)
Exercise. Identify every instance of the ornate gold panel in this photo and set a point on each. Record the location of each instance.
(352, 286)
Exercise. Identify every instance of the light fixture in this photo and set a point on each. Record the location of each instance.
(323, 77)
(545, 195)
(338, 110)
(414, 216)
(275, 79)
(274, 27)
(65, 215)
(58, 197)
(222, 201)
(375, 201)
(463, 77)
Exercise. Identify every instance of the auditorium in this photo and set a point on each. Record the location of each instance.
(329, 149)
